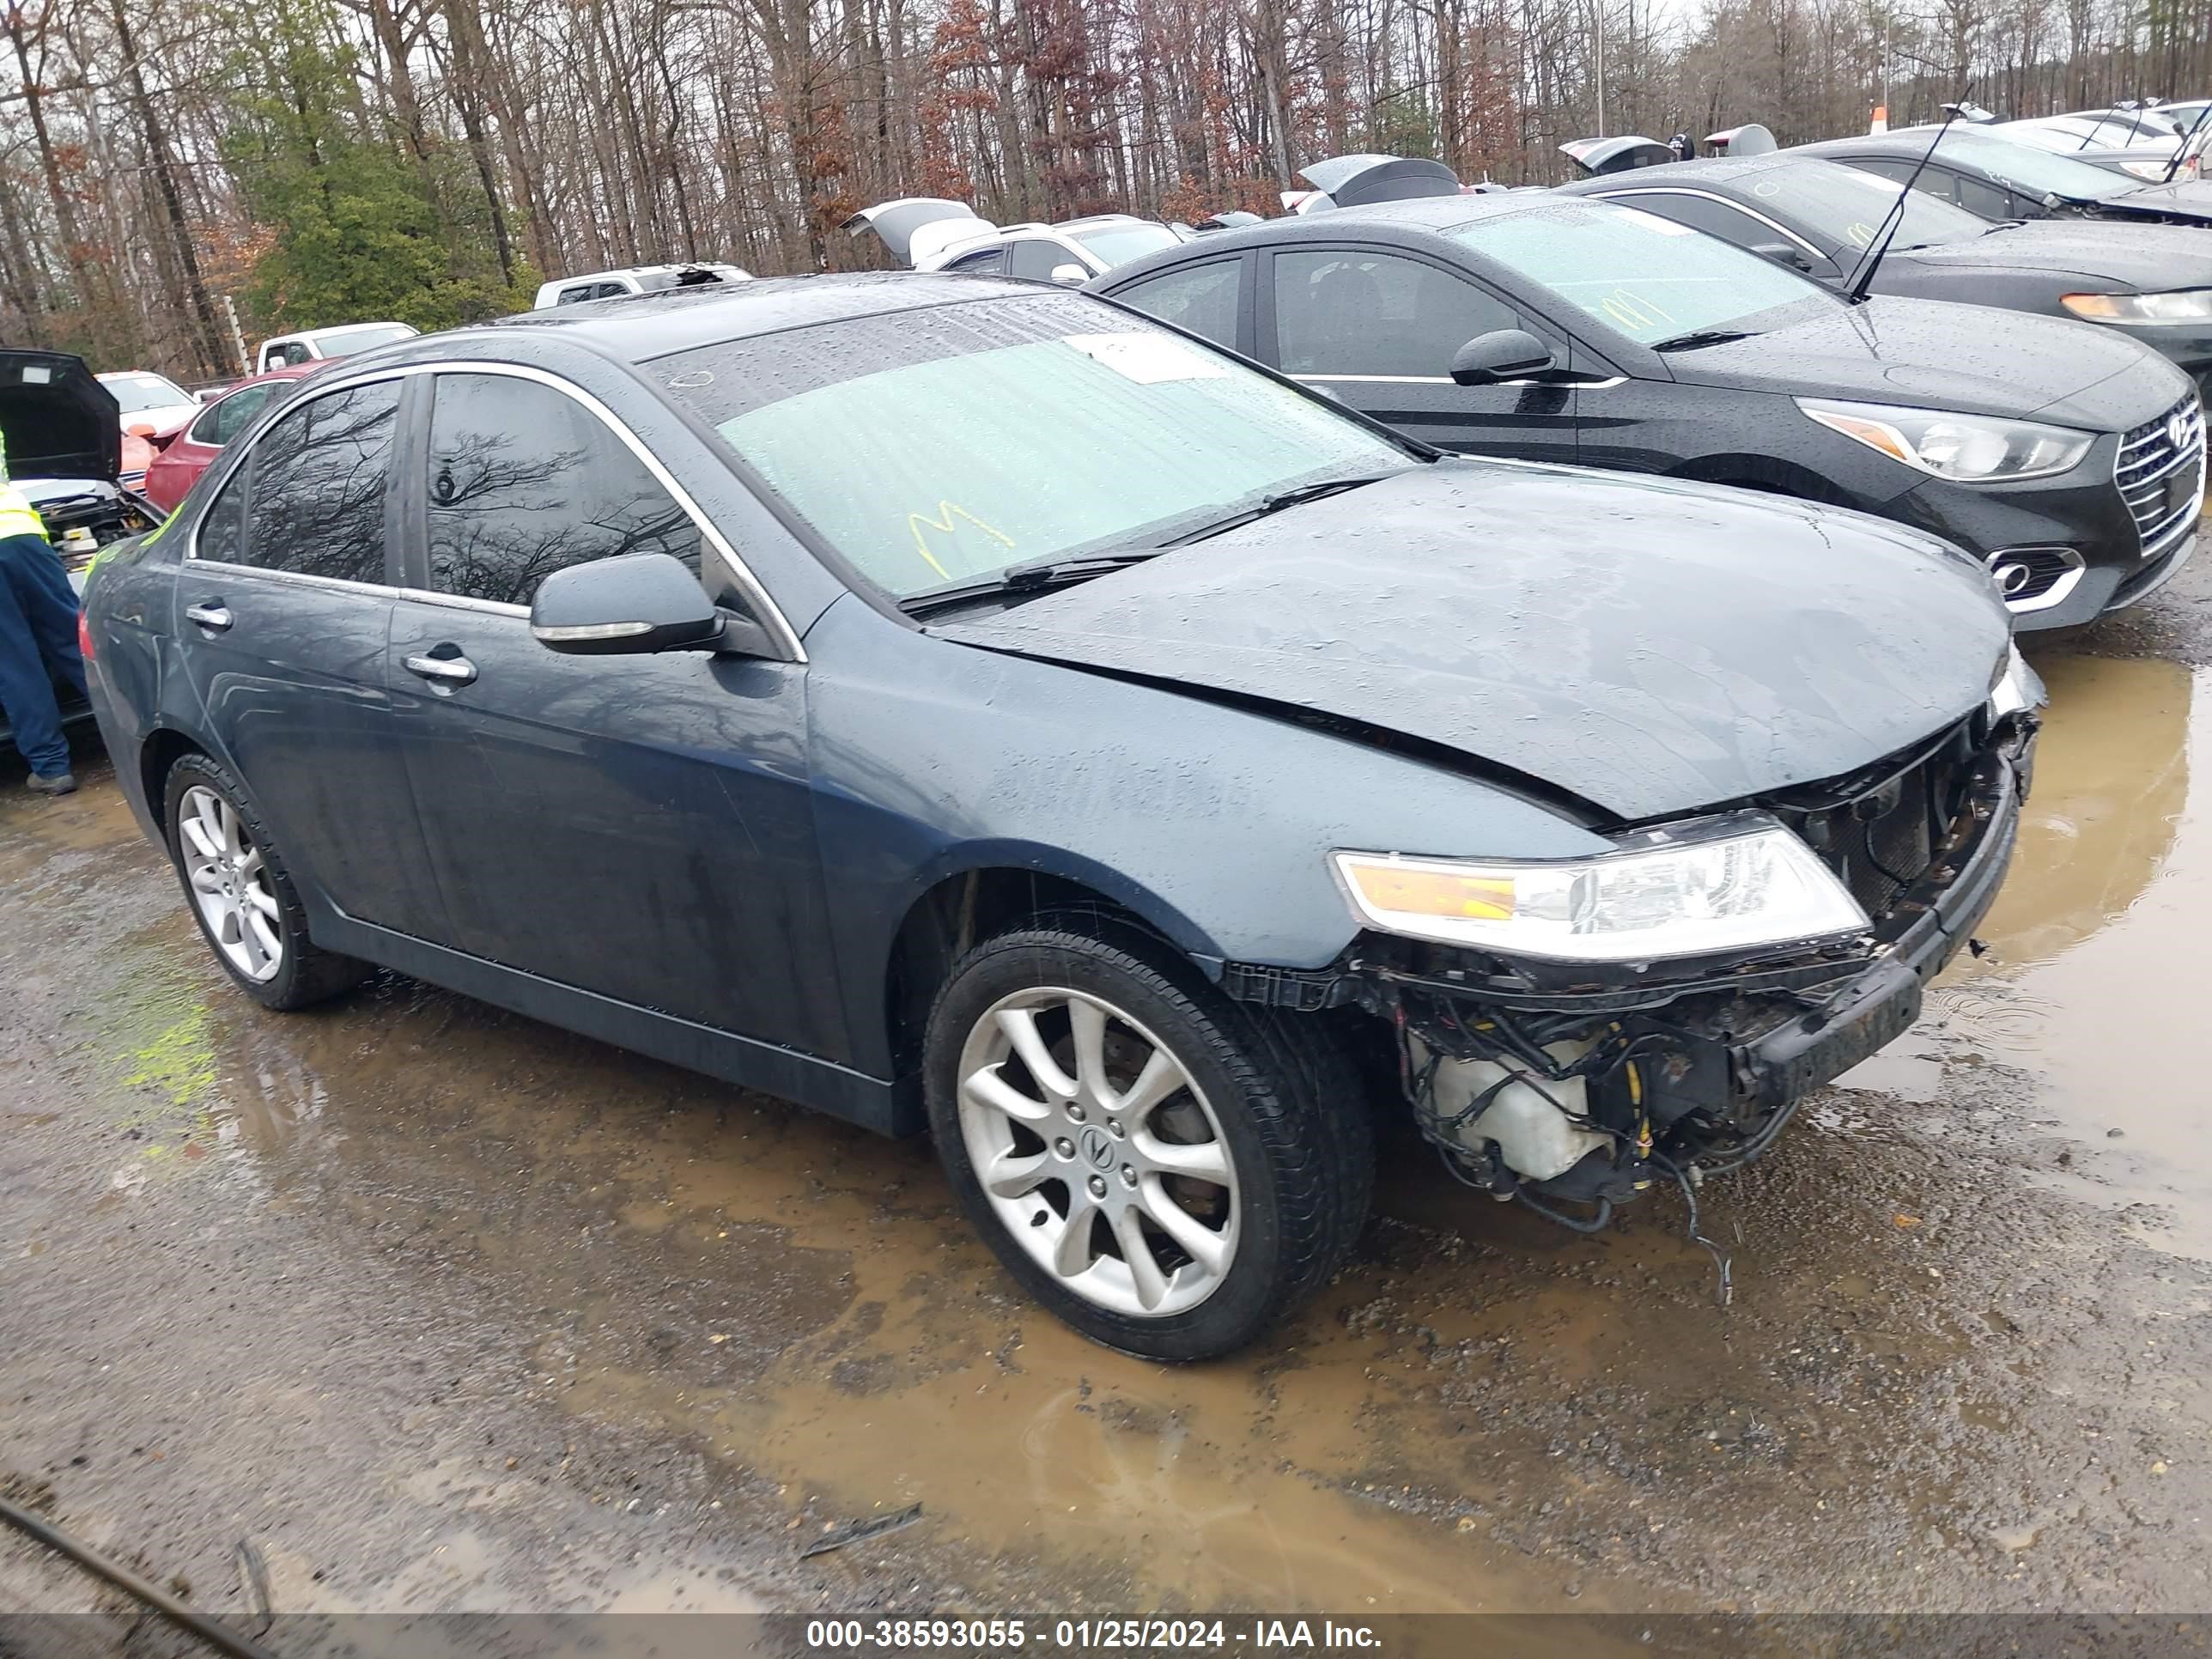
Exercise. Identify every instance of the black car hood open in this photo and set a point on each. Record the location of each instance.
(2147, 257)
(1933, 355)
(1653, 647)
(59, 421)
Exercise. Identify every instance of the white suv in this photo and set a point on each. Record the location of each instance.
(637, 279)
(312, 345)
(928, 233)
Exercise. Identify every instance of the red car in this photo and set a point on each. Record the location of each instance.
(172, 472)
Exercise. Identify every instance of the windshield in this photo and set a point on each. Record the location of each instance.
(940, 447)
(2033, 171)
(1646, 277)
(135, 393)
(343, 342)
(1116, 245)
(1847, 206)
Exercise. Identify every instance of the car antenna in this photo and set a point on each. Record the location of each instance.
(2188, 138)
(1870, 261)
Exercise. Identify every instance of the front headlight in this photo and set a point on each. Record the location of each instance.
(2180, 305)
(1684, 889)
(1965, 448)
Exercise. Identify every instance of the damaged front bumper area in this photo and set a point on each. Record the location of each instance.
(1562, 1081)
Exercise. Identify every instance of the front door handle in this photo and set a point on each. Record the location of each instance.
(214, 614)
(452, 671)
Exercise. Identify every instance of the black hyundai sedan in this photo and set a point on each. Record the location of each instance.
(2151, 281)
(1543, 327)
(1998, 180)
(956, 703)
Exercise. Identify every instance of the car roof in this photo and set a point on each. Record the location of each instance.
(643, 326)
(1432, 215)
(334, 328)
(1711, 169)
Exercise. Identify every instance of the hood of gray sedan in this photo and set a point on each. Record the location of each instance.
(2147, 257)
(1653, 647)
(2189, 198)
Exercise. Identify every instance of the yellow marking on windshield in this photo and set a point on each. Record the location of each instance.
(917, 522)
(1633, 311)
(1858, 235)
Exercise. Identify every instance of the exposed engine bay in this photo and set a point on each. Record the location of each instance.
(1583, 1084)
(83, 515)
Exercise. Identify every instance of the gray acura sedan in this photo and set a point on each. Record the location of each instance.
(963, 705)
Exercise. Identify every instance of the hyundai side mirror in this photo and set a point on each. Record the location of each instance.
(1503, 354)
(1070, 275)
(636, 604)
(1784, 253)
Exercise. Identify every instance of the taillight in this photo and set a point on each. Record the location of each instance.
(84, 636)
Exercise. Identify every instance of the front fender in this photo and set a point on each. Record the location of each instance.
(1212, 822)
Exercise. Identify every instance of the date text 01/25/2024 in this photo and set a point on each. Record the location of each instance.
(1017, 1636)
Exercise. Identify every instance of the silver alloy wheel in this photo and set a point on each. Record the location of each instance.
(1098, 1151)
(230, 883)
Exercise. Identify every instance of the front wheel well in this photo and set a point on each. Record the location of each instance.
(960, 911)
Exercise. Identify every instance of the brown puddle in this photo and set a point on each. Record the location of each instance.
(2096, 984)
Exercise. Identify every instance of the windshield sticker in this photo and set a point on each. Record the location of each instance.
(946, 511)
(1148, 359)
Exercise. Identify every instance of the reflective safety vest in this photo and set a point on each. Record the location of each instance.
(17, 516)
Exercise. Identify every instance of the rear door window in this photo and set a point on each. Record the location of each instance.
(523, 480)
(229, 416)
(316, 484)
(1200, 298)
(1364, 314)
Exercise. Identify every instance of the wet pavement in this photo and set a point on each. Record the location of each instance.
(447, 1310)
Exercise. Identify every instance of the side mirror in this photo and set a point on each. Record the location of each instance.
(140, 429)
(2052, 201)
(1784, 253)
(633, 605)
(1503, 354)
(1070, 275)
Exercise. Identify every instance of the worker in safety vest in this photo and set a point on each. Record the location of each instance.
(38, 638)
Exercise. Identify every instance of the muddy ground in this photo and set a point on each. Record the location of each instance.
(445, 1309)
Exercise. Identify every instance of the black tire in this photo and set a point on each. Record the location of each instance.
(305, 974)
(1290, 1109)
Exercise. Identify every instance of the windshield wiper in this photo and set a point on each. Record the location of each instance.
(1296, 494)
(1025, 579)
(1701, 336)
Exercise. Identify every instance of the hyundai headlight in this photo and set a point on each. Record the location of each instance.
(2177, 306)
(1685, 889)
(1965, 448)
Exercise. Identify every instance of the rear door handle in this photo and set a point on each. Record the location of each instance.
(214, 614)
(454, 670)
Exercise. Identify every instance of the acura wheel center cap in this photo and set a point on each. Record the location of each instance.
(1097, 1151)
